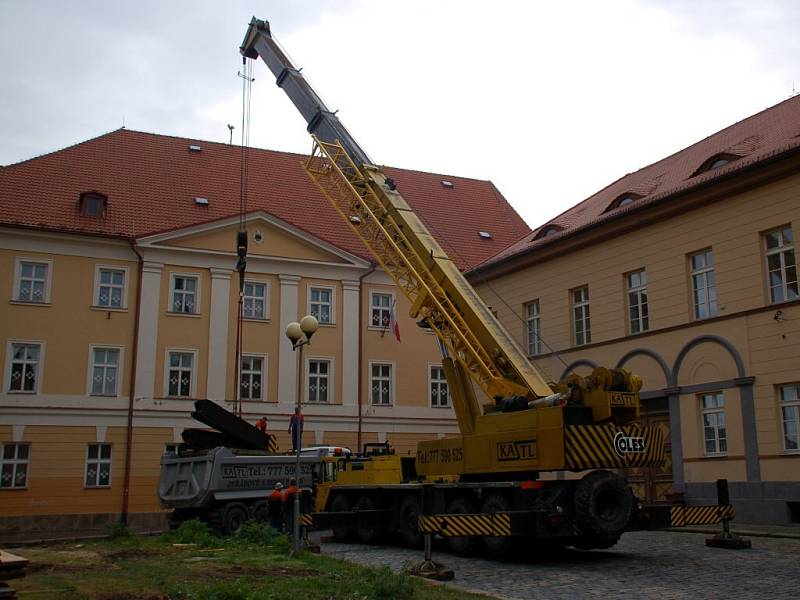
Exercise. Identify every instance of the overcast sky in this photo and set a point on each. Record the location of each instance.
(550, 100)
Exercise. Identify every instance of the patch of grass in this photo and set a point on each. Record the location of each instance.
(255, 565)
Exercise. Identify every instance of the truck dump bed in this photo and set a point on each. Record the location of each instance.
(221, 475)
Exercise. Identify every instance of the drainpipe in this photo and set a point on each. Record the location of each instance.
(126, 486)
(361, 348)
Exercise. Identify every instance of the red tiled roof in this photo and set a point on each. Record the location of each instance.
(151, 182)
(764, 135)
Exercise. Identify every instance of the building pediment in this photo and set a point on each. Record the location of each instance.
(268, 237)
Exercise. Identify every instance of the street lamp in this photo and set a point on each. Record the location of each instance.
(300, 335)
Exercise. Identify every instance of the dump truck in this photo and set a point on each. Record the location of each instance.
(223, 476)
(503, 476)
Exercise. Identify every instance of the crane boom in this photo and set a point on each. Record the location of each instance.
(593, 423)
(378, 214)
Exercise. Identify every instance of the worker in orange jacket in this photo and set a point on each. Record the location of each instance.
(275, 505)
(261, 424)
(287, 498)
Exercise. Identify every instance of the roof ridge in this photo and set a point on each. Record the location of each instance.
(669, 156)
(69, 146)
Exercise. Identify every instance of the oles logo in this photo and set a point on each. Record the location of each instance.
(625, 444)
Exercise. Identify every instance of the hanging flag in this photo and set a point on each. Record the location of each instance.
(393, 322)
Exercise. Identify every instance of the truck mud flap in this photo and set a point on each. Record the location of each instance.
(365, 519)
(664, 517)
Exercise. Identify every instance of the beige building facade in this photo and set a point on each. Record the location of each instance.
(693, 286)
(107, 342)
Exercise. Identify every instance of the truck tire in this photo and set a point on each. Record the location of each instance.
(344, 531)
(409, 522)
(234, 516)
(603, 504)
(463, 545)
(496, 545)
(260, 512)
(367, 535)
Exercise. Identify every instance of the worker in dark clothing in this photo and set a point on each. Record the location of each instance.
(287, 499)
(275, 506)
(296, 428)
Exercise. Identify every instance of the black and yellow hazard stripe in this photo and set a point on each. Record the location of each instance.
(680, 516)
(306, 520)
(496, 524)
(592, 447)
(272, 445)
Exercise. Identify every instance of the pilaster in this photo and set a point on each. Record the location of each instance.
(287, 362)
(218, 334)
(148, 330)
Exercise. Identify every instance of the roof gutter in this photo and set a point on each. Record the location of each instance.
(126, 486)
(497, 266)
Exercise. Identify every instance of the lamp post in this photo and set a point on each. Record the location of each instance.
(300, 335)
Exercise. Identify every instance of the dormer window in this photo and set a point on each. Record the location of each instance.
(547, 231)
(715, 162)
(93, 204)
(624, 200)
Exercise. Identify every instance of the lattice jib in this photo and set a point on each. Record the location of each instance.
(352, 196)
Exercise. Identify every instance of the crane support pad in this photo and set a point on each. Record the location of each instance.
(681, 516)
(495, 524)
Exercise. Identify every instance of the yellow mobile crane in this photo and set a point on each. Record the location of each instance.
(485, 482)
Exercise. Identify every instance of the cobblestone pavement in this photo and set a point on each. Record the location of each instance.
(664, 565)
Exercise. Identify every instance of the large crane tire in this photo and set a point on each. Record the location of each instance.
(342, 532)
(409, 522)
(463, 545)
(496, 545)
(603, 504)
(366, 535)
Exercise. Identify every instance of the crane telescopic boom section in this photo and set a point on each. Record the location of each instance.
(590, 424)
(381, 218)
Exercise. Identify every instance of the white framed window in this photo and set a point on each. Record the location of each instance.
(171, 448)
(110, 287)
(638, 313)
(381, 384)
(179, 379)
(184, 294)
(319, 380)
(14, 466)
(98, 465)
(252, 377)
(321, 303)
(704, 284)
(437, 385)
(533, 332)
(24, 367)
(380, 309)
(712, 411)
(32, 281)
(105, 365)
(255, 304)
(580, 315)
(789, 398)
(781, 267)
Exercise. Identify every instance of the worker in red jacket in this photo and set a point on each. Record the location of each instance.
(275, 505)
